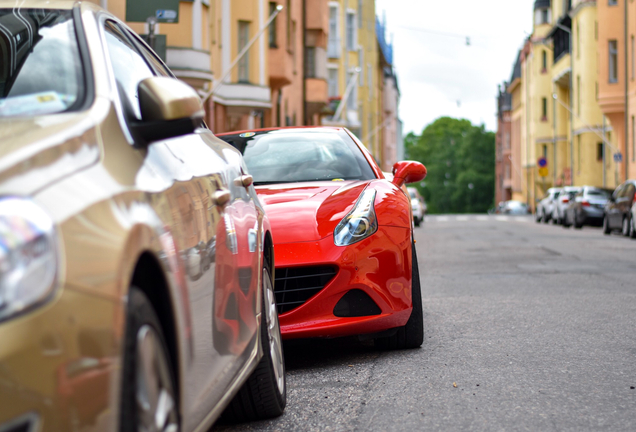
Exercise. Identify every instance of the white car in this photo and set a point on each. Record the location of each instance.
(546, 205)
(418, 206)
(561, 203)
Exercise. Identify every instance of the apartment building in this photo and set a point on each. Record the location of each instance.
(517, 119)
(614, 35)
(296, 72)
(354, 75)
(503, 168)
(565, 105)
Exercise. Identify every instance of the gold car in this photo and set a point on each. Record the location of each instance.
(136, 263)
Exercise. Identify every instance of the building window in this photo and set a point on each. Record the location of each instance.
(370, 79)
(272, 26)
(507, 140)
(360, 21)
(633, 140)
(361, 63)
(333, 48)
(310, 62)
(578, 41)
(351, 31)
(542, 16)
(544, 109)
(599, 151)
(613, 61)
(578, 150)
(244, 62)
(578, 95)
(545, 151)
(289, 25)
(352, 101)
(612, 2)
(332, 80)
(633, 57)
(544, 61)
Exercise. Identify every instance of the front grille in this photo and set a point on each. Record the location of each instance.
(295, 285)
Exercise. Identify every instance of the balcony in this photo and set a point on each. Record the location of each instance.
(190, 64)
(281, 67)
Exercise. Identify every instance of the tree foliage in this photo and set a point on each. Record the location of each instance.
(460, 159)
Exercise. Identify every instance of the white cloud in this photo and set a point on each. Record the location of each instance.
(436, 68)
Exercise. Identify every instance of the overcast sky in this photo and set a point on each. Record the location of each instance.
(437, 72)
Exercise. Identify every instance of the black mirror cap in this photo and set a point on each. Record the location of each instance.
(146, 132)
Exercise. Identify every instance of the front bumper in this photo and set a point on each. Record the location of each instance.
(57, 366)
(380, 266)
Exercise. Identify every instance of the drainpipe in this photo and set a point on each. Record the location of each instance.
(554, 133)
(604, 151)
(304, 57)
(626, 98)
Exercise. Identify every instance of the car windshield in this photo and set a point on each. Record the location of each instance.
(40, 68)
(413, 194)
(292, 155)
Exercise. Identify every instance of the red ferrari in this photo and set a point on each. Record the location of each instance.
(343, 235)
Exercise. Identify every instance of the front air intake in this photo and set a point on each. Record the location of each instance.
(295, 285)
(356, 303)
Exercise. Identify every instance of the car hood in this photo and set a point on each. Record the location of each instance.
(37, 151)
(301, 212)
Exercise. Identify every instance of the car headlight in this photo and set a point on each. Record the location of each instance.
(28, 256)
(360, 223)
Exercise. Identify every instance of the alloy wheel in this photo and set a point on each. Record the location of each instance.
(156, 406)
(273, 332)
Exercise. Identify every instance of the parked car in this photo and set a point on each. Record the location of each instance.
(545, 207)
(618, 213)
(418, 206)
(562, 201)
(586, 208)
(113, 314)
(345, 258)
(513, 207)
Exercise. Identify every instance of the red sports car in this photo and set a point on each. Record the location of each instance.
(343, 235)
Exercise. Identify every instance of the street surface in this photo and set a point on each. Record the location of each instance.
(528, 327)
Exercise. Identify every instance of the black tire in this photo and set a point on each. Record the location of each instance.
(606, 228)
(417, 221)
(142, 317)
(538, 216)
(565, 222)
(260, 397)
(411, 335)
(632, 228)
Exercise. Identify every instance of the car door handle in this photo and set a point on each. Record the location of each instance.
(221, 198)
(244, 180)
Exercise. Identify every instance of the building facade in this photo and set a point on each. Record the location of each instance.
(568, 105)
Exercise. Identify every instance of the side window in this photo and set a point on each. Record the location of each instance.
(618, 193)
(150, 56)
(129, 68)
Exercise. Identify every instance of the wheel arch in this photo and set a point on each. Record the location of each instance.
(148, 276)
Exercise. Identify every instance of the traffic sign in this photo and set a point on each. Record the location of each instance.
(618, 157)
(542, 162)
(543, 172)
(161, 10)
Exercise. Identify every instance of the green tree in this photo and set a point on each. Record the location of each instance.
(460, 159)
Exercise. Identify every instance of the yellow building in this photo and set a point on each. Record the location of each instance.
(354, 76)
(555, 104)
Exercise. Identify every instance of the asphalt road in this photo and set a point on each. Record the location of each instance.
(527, 327)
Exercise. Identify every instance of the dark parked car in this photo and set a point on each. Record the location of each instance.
(586, 208)
(618, 214)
